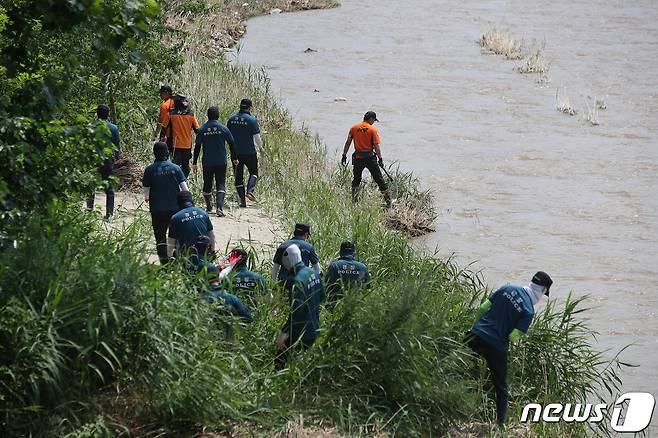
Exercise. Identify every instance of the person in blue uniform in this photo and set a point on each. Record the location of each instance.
(226, 304)
(233, 304)
(505, 316)
(301, 234)
(103, 113)
(242, 281)
(212, 138)
(187, 225)
(246, 132)
(162, 182)
(305, 293)
(345, 273)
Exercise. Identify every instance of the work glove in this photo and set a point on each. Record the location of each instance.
(343, 160)
(381, 163)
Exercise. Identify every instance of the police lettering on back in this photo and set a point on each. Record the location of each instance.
(162, 171)
(212, 131)
(190, 217)
(514, 298)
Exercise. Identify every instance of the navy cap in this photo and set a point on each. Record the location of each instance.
(301, 228)
(245, 103)
(541, 278)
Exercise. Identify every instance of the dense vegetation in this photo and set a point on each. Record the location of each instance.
(94, 342)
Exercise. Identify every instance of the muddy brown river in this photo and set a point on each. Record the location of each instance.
(518, 185)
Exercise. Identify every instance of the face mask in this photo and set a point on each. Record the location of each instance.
(535, 292)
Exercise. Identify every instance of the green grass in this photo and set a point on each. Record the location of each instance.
(94, 342)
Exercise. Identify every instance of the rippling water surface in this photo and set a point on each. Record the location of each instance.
(519, 186)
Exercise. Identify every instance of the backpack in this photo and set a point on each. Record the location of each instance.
(181, 105)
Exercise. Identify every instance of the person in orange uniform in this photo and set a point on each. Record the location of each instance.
(367, 155)
(165, 108)
(182, 122)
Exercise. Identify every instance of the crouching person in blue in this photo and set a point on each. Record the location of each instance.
(187, 225)
(243, 281)
(345, 273)
(305, 295)
(227, 304)
(505, 316)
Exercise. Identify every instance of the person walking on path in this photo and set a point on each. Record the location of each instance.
(246, 133)
(187, 225)
(300, 237)
(505, 316)
(306, 293)
(212, 138)
(162, 182)
(345, 273)
(367, 155)
(182, 123)
(166, 107)
(103, 113)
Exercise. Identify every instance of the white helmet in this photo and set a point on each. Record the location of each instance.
(291, 256)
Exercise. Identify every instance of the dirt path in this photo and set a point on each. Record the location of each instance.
(246, 227)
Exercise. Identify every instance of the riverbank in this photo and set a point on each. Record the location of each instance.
(296, 174)
(150, 358)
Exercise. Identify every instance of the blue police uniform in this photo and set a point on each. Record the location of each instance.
(106, 171)
(212, 138)
(245, 281)
(344, 274)
(163, 179)
(309, 257)
(188, 224)
(244, 126)
(511, 308)
(233, 303)
(306, 293)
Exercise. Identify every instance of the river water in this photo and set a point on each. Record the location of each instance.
(518, 185)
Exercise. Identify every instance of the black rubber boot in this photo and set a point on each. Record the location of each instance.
(109, 203)
(208, 198)
(162, 253)
(242, 195)
(251, 186)
(220, 203)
